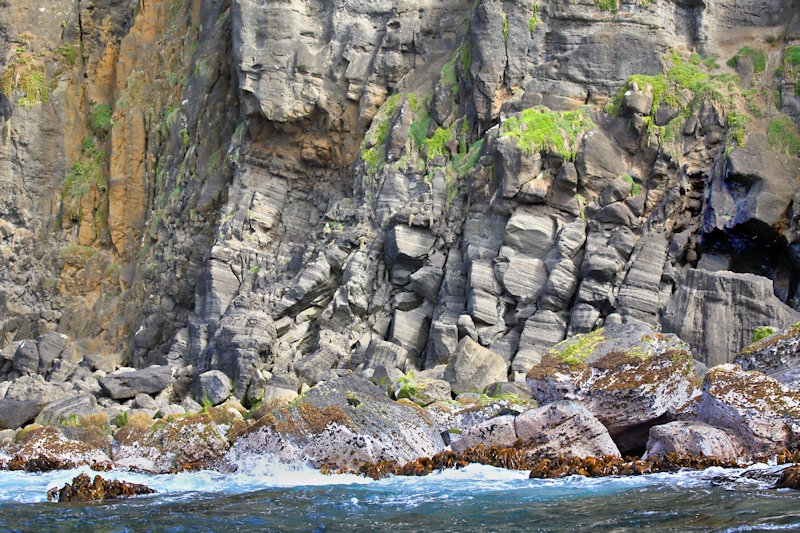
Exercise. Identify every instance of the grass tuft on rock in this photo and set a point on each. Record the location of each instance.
(538, 128)
(782, 136)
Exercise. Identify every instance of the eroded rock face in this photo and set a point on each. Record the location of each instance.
(562, 428)
(344, 423)
(743, 302)
(762, 412)
(777, 356)
(628, 376)
(693, 438)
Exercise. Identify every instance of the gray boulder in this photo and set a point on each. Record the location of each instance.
(626, 375)
(717, 312)
(343, 423)
(762, 412)
(213, 386)
(62, 410)
(50, 347)
(17, 413)
(406, 243)
(127, 384)
(472, 367)
(694, 438)
(422, 391)
(564, 428)
(26, 358)
(777, 356)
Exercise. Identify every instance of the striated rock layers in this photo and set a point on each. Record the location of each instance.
(227, 198)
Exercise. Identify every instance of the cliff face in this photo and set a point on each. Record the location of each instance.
(289, 190)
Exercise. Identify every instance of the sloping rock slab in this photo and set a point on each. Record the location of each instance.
(563, 428)
(124, 385)
(344, 423)
(17, 413)
(627, 375)
(763, 412)
(693, 438)
(777, 356)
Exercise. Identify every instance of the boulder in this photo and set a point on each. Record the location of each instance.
(717, 312)
(530, 233)
(50, 347)
(422, 391)
(563, 428)
(763, 412)
(344, 423)
(406, 243)
(26, 358)
(627, 375)
(68, 409)
(473, 367)
(17, 413)
(213, 386)
(195, 441)
(128, 384)
(34, 388)
(693, 438)
(777, 356)
(384, 353)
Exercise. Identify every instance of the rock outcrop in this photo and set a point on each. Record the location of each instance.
(628, 376)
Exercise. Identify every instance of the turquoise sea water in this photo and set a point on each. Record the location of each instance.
(267, 496)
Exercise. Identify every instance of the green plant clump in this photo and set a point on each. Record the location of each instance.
(87, 171)
(437, 141)
(635, 187)
(505, 29)
(757, 55)
(534, 20)
(25, 73)
(422, 119)
(100, 121)
(782, 136)
(762, 333)
(538, 128)
(607, 5)
(736, 126)
(580, 348)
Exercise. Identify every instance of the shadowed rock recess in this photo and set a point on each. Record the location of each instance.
(287, 225)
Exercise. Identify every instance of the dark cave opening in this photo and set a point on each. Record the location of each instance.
(755, 247)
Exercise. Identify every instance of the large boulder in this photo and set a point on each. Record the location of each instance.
(422, 391)
(67, 409)
(195, 441)
(344, 422)
(693, 438)
(17, 413)
(627, 375)
(472, 367)
(563, 428)
(127, 384)
(213, 387)
(717, 312)
(777, 355)
(763, 412)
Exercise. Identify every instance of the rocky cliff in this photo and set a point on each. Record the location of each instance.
(289, 191)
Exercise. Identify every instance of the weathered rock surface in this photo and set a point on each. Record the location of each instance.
(762, 412)
(777, 356)
(213, 387)
(472, 367)
(693, 438)
(128, 384)
(344, 423)
(628, 376)
(742, 302)
(562, 428)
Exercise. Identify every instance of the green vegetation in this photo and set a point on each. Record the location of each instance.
(422, 119)
(76, 250)
(71, 421)
(68, 52)
(25, 73)
(736, 126)
(505, 29)
(437, 141)
(100, 119)
(185, 137)
(635, 187)
(86, 172)
(538, 128)
(534, 20)
(578, 348)
(782, 136)
(607, 5)
(757, 55)
(792, 55)
(762, 333)
(121, 419)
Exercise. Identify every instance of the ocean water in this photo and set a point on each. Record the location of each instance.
(268, 496)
